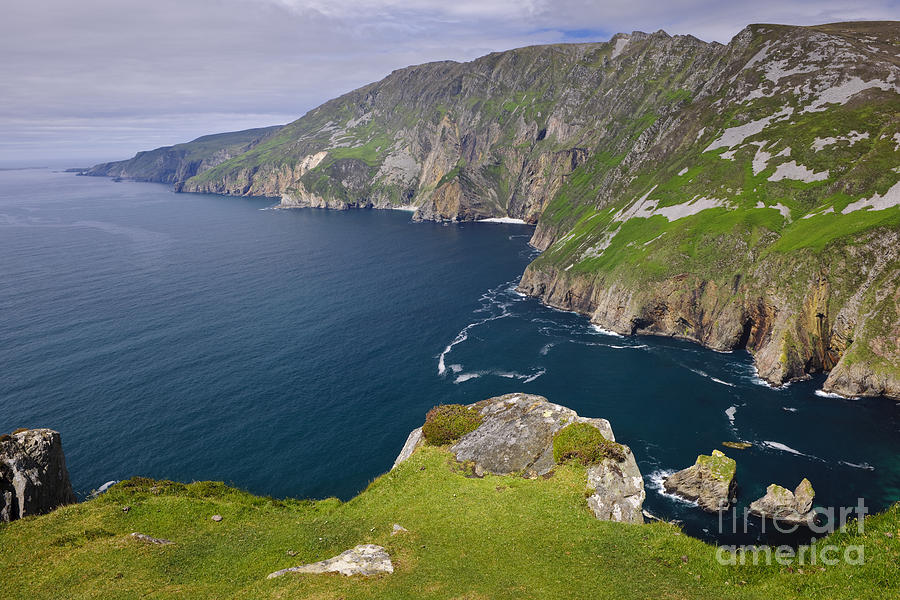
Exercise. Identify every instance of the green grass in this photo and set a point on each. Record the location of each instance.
(495, 537)
(585, 444)
(447, 423)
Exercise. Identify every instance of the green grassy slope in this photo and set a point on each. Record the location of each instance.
(496, 537)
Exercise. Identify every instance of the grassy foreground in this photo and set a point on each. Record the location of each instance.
(496, 537)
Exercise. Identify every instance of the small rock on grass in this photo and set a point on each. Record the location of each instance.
(151, 540)
(365, 559)
(398, 529)
(216, 518)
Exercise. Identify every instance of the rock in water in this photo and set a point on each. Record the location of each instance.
(365, 559)
(780, 504)
(33, 475)
(516, 437)
(710, 482)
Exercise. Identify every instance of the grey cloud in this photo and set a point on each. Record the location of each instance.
(108, 78)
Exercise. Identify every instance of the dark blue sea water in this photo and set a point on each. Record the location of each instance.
(289, 353)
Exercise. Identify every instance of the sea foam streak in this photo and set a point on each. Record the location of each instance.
(509, 220)
(466, 377)
(730, 412)
(864, 466)
(824, 394)
(488, 301)
(599, 329)
(788, 449)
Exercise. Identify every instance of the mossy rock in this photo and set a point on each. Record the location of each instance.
(737, 445)
(721, 467)
(584, 443)
(447, 423)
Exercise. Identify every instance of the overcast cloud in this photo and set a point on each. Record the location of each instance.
(101, 79)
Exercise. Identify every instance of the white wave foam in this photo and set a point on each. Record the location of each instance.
(455, 368)
(535, 376)
(488, 301)
(824, 394)
(864, 466)
(546, 348)
(599, 329)
(708, 376)
(466, 377)
(655, 482)
(509, 220)
(785, 448)
(789, 408)
(460, 337)
(730, 412)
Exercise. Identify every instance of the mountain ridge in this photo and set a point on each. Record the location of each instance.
(741, 196)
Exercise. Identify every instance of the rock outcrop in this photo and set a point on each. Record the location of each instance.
(709, 482)
(365, 559)
(782, 505)
(33, 475)
(515, 437)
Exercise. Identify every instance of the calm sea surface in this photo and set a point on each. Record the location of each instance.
(289, 353)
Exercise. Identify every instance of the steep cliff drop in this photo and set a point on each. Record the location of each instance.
(33, 475)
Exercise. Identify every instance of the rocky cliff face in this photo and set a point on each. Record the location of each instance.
(742, 196)
(33, 475)
(494, 137)
(767, 218)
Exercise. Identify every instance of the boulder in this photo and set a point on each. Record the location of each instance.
(709, 482)
(780, 504)
(618, 490)
(33, 475)
(365, 559)
(516, 437)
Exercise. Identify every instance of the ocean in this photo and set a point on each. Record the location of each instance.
(289, 353)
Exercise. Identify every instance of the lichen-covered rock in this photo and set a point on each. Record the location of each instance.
(515, 437)
(709, 482)
(33, 475)
(365, 559)
(780, 504)
(618, 490)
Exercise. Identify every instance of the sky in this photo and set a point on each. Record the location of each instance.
(91, 80)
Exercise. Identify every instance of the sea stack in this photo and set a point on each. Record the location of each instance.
(709, 482)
